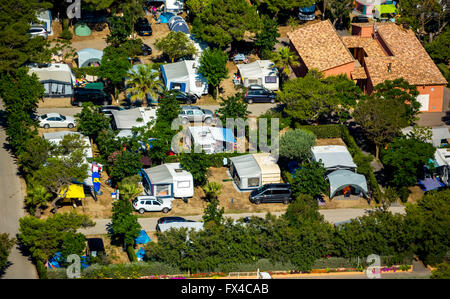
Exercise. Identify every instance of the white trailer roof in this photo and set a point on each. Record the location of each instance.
(127, 119)
(165, 173)
(258, 69)
(196, 226)
(56, 137)
(333, 156)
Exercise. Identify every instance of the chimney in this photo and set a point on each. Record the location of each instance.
(389, 67)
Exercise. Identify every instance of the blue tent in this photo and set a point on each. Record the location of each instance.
(142, 238)
(429, 184)
(53, 262)
(165, 17)
(180, 26)
(96, 181)
(140, 254)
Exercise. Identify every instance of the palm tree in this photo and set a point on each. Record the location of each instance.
(37, 196)
(143, 81)
(212, 190)
(283, 58)
(129, 191)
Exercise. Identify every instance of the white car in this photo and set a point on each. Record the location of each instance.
(38, 31)
(56, 120)
(146, 203)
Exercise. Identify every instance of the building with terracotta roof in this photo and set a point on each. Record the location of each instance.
(375, 52)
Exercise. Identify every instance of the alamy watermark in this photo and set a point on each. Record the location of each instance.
(74, 9)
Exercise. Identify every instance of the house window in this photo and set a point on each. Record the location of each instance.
(270, 79)
(176, 86)
(253, 182)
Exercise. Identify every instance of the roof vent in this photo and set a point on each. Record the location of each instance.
(178, 170)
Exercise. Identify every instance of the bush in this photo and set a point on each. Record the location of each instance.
(131, 254)
(41, 270)
(66, 34)
(131, 270)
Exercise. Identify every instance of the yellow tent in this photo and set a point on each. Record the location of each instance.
(75, 191)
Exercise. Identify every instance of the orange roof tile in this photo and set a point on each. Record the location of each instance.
(320, 46)
(370, 46)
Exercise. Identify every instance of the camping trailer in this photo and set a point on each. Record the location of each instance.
(260, 72)
(183, 76)
(168, 181)
(254, 170)
(57, 79)
(212, 139)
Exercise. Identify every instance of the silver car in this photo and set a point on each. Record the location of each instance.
(195, 114)
(56, 120)
(38, 31)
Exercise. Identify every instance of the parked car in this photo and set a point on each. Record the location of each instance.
(56, 120)
(272, 193)
(171, 220)
(142, 27)
(147, 203)
(146, 50)
(259, 94)
(195, 113)
(107, 110)
(186, 98)
(96, 96)
(38, 31)
(360, 19)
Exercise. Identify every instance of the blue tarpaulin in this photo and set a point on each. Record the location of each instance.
(96, 181)
(429, 184)
(84, 262)
(143, 238)
(165, 17)
(53, 262)
(140, 254)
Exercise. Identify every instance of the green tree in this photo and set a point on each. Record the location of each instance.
(114, 67)
(224, 21)
(340, 11)
(197, 164)
(90, 121)
(73, 243)
(213, 66)
(43, 238)
(381, 119)
(404, 160)
(144, 81)
(195, 7)
(36, 153)
(403, 92)
(442, 271)
(439, 48)
(303, 210)
(428, 222)
(124, 225)
(37, 197)
(213, 213)
(283, 59)
(296, 144)
(176, 45)
(212, 190)
(5, 249)
(308, 98)
(120, 29)
(232, 107)
(126, 164)
(267, 36)
(283, 6)
(16, 46)
(310, 179)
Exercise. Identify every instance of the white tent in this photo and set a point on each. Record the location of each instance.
(89, 56)
(254, 170)
(174, 6)
(168, 181)
(333, 157)
(130, 118)
(183, 76)
(260, 72)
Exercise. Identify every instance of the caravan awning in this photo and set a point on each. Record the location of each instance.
(386, 8)
(246, 166)
(75, 191)
(88, 55)
(339, 179)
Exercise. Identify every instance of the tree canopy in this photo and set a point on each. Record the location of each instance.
(213, 66)
(176, 45)
(296, 144)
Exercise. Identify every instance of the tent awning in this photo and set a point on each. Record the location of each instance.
(386, 8)
(339, 179)
(246, 166)
(89, 55)
(75, 191)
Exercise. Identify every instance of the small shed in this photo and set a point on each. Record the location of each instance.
(254, 170)
(168, 181)
(260, 72)
(340, 179)
(183, 76)
(89, 57)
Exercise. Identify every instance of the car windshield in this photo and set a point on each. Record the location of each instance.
(44, 116)
(62, 117)
(159, 201)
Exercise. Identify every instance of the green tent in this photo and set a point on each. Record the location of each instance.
(82, 30)
(94, 85)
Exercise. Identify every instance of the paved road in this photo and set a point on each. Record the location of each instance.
(255, 109)
(11, 209)
(149, 224)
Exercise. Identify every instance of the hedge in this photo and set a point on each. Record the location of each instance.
(361, 160)
(131, 254)
(41, 269)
